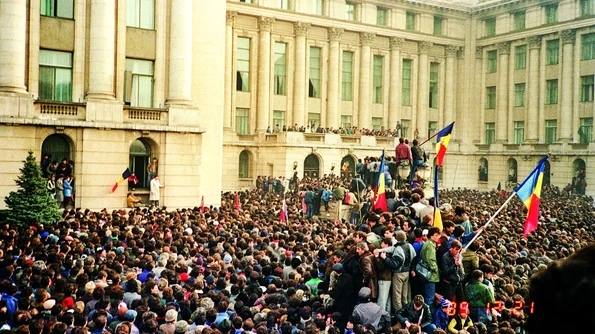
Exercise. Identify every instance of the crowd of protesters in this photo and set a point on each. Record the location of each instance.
(398, 131)
(237, 268)
(60, 179)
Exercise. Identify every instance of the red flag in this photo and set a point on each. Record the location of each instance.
(238, 206)
(125, 175)
(202, 205)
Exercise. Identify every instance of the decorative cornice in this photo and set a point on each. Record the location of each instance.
(396, 42)
(334, 34)
(568, 36)
(503, 48)
(479, 52)
(451, 50)
(534, 42)
(231, 17)
(301, 28)
(265, 23)
(366, 38)
(424, 47)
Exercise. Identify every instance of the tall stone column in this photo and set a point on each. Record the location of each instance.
(423, 87)
(394, 105)
(502, 103)
(228, 69)
(532, 111)
(449, 92)
(299, 88)
(365, 87)
(180, 53)
(13, 34)
(265, 25)
(566, 106)
(102, 49)
(476, 99)
(333, 109)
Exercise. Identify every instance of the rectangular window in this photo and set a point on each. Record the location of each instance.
(490, 133)
(278, 119)
(405, 126)
(434, 72)
(491, 97)
(381, 16)
(243, 65)
(518, 20)
(551, 13)
(410, 21)
(318, 7)
(140, 14)
(585, 130)
(377, 123)
(55, 76)
(140, 84)
(588, 46)
(551, 91)
(432, 128)
(314, 73)
(246, 1)
(345, 121)
(520, 57)
(587, 88)
(313, 120)
(552, 51)
(378, 65)
(492, 61)
(490, 26)
(283, 4)
(438, 25)
(551, 131)
(519, 132)
(347, 77)
(280, 77)
(242, 121)
(519, 95)
(350, 11)
(587, 7)
(244, 170)
(58, 8)
(406, 83)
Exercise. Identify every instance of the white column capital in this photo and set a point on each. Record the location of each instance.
(334, 34)
(451, 50)
(503, 48)
(301, 28)
(230, 18)
(534, 42)
(366, 38)
(424, 47)
(396, 42)
(568, 36)
(479, 52)
(265, 23)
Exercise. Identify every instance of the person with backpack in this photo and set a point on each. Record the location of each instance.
(402, 253)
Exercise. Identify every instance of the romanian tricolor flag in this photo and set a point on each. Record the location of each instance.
(437, 215)
(121, 179)
(380, 201)
(530, 193)
(283, 212)
(345, 167)
(442, 140)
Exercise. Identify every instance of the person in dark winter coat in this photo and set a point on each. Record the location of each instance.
(451, 273)
(344, 295)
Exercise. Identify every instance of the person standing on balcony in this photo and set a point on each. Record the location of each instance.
(151, 170)
(155, 194)
(418, 157)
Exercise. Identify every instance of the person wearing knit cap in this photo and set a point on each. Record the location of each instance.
(169, 327)
(181, 327)
(368, 313)
(441, 314)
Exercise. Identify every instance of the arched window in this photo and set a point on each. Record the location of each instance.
(483, 170)
(512, 170)
(244, 164)
(57, 147)
(140, 156)
(347, 166)
(311, 166)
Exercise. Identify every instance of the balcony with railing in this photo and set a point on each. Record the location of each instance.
(60, 110)
(145, 115)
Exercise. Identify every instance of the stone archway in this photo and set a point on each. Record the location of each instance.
(348, 164)
(312, 166)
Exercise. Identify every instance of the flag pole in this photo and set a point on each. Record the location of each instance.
(427, 140)
(491, 218)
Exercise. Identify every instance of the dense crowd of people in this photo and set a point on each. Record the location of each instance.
(238, 268)
(398, 131)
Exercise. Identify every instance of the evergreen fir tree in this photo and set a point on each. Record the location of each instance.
(32, 202)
